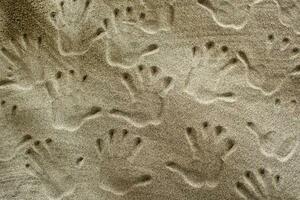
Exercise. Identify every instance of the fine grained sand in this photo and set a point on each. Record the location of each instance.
(150, 99)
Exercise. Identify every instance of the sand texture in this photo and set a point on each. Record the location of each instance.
(149, 99)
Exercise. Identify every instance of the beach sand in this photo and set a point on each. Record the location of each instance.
(149, 99)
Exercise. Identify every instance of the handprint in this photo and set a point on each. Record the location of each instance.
(264, 75)
(229, 14)
(75, 32)
(261, 185)
(24, 63)
(211, 65)
(56, 182)
(150, 17)
(118, 174)
(123, 49)
(68, 113)
(209, 150)
(147, 92)
(275, 143)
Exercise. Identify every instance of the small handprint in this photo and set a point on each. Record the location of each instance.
(147, 92)
(56, 182)
(229, 14)
(123, 50)
(211, 65)
(118, 174)
(265, 76)
(209, 151)
(274, 143)
(75, 33)
(289, 14)
(68, 113)
(25, 62)
(261, 185)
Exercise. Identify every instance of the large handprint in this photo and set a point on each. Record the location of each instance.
(208, 152)
(118, 174)
(211, 65)
(65, 90)
(147, 93)
(124, 48)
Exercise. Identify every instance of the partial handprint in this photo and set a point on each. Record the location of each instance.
(211, 65)
(56, 182)
(25, 62)
(123, 50)
(261, 185)
(147, 16)
(229, 14)
(75, 34)
(147, 92)
(152, 18)
(289, 108)
(11, 144)
(68, 113)
(118, 174)
(274, 143)
(209, 151)
(289, 13)
(264, 75)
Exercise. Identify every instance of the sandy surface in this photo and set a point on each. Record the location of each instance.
(149, 99)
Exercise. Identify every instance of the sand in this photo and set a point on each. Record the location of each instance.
(149, 99)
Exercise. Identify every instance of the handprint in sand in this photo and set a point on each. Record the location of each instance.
(65, 91)
(24, 61)
(210, 65)
(118, 173)
(274, 143)
(148, 91)
(124, 48)
(209, 150)
(229, 13)
(76, 30)
(260, 185)
(56, 181)
(149, 16)
(268, 74)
